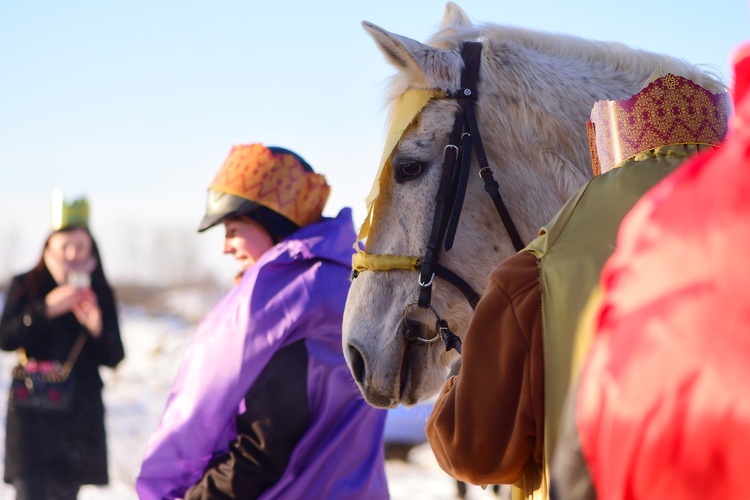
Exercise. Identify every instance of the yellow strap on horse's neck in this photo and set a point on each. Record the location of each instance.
(362, 261)
(406, 110)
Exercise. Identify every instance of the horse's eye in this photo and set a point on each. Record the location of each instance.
(408, 170)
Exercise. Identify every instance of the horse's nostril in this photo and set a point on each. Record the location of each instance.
(357, 365)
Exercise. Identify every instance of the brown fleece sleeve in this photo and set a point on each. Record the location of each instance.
(488, 422)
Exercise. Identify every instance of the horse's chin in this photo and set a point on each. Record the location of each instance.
(415, 383)
(405, 387)
(412, 368)
(400, 389)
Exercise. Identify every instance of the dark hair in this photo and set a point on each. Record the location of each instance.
(35, 278)
(275, 224)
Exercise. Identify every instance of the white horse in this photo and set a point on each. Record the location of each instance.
(535, 93)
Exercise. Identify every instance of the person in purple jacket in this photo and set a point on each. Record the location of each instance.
(263, 405)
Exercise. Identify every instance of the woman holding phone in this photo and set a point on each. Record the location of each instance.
(61, 305)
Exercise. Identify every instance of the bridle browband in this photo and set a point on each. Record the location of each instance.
(449, 201)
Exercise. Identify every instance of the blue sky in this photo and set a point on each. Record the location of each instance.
(136, 104)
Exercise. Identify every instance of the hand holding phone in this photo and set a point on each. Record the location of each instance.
(79, 279)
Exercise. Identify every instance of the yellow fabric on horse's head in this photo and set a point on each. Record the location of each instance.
(362, 261)
(407, 108)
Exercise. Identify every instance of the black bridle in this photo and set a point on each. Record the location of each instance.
(464, 139)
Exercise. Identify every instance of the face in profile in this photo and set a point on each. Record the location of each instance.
(69, 247)
(246, 240)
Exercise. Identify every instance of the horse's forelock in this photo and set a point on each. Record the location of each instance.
(443, 69)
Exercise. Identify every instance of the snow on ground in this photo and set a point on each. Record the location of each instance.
(135, 394)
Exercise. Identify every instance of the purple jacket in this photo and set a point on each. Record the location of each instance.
(296, 291)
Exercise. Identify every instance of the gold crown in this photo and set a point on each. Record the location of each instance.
(66, 214)
(670, 110)
(276, 181)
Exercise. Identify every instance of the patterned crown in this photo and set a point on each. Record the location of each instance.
(64, 214)
(276, 181)
(670, 110)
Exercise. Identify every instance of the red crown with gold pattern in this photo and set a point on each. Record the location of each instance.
(276, 181)
(670, 110)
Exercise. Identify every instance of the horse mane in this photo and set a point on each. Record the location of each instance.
(616, 56)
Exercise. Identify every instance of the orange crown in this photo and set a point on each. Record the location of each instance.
(670, 110)
(276, 181)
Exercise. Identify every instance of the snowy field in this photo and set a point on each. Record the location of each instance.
(136, 391)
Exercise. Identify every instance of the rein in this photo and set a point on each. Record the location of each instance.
(457, 154)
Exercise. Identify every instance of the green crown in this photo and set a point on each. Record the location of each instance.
(66, 214)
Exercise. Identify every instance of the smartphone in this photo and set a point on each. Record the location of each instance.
(79, 279)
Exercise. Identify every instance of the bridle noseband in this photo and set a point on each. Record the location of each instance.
(448, 204)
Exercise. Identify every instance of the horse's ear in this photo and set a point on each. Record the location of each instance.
(454, 17)
(406, 54)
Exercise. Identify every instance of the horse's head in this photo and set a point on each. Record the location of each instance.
(535, 93)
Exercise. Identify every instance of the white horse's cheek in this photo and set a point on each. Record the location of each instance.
(371, 347)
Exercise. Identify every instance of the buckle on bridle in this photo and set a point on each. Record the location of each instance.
(454, 149)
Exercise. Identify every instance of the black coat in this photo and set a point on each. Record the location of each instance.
(70, 446)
